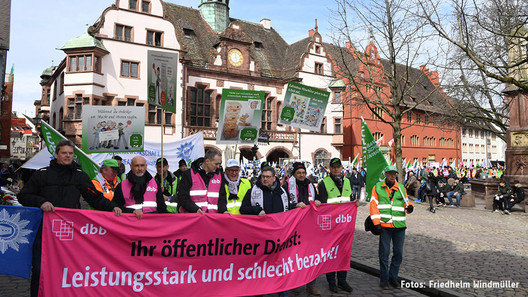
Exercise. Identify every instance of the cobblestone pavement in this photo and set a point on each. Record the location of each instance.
(453, 246)
(461, 245)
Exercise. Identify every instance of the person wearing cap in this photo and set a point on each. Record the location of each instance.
(182, 166)
(388, 206)
(335, 188)
(300, 192)
(169, 180)
(139, 193)
(106, 180)
(169, 184)
(202, 188)
(236, 187)
(518, 197)
(121, 173)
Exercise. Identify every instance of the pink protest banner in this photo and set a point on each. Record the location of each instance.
(91, 253)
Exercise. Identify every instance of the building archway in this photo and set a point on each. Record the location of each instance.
(278, 153)
(245, 152)
(208, 147)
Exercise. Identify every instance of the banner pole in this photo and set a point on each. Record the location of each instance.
(162, 128)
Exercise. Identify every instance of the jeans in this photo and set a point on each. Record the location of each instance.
(356, 192)
(331, 277)
(509, 204)
(450, 197)
(397, 235)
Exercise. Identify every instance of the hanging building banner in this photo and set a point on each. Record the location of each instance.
(113, 129)
(304, 107)
(240, 116)
(94, 253)
(162, 79)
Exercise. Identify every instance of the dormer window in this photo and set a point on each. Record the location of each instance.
(145, 6)
(317, 49)
(258, 44)
(188, 32)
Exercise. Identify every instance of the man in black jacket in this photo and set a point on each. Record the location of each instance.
(357, 181)
(206, 172)
(518, 196)
(266, 196)
(59, 185)
(457, 190)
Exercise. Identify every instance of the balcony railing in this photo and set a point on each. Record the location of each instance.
(275, 136)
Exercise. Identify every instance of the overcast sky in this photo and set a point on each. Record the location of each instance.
(39, 28)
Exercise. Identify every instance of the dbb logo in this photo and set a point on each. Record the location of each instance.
(90, 229)
(216, 181)
(343, 219)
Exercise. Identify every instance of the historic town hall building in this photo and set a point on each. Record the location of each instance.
(107, 65)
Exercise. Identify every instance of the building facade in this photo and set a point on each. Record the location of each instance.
(107, 65)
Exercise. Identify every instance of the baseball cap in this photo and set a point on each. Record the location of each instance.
(110, 163)
(232, 163)
(391, 168)
(335, 162)
(516, 181)
(164, 161)
(182, 163)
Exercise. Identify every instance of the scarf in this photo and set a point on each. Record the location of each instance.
(232, 185)
(139, 185)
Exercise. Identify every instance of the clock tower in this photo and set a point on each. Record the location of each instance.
(215, 13)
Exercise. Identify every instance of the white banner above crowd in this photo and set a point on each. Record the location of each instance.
(188, 149)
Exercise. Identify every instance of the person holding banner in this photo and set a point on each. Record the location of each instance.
(335, 188)
(140, 193)
(266, 197)
(59, 185)
(300, 192)
(202, 188)
(388, 206)
(106, 180)
(236, 187)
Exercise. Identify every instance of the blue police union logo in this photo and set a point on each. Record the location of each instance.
(185, 150)
(12, 231)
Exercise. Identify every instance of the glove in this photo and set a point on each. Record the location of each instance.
(410, 208)
(376, 230)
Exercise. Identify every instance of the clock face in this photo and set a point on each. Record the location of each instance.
(235, 57)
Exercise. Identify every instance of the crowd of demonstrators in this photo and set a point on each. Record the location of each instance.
(203, 188)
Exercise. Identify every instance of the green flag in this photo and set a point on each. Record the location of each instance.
(373, 160)
(355, 160)
(52, 137)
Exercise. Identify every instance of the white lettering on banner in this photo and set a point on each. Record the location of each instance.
(105, 278)
(90, 229)
(343, 219)
(139, 280)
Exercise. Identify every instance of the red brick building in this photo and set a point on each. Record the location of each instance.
(423, 139)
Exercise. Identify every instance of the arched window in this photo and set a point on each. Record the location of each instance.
(321, 157)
